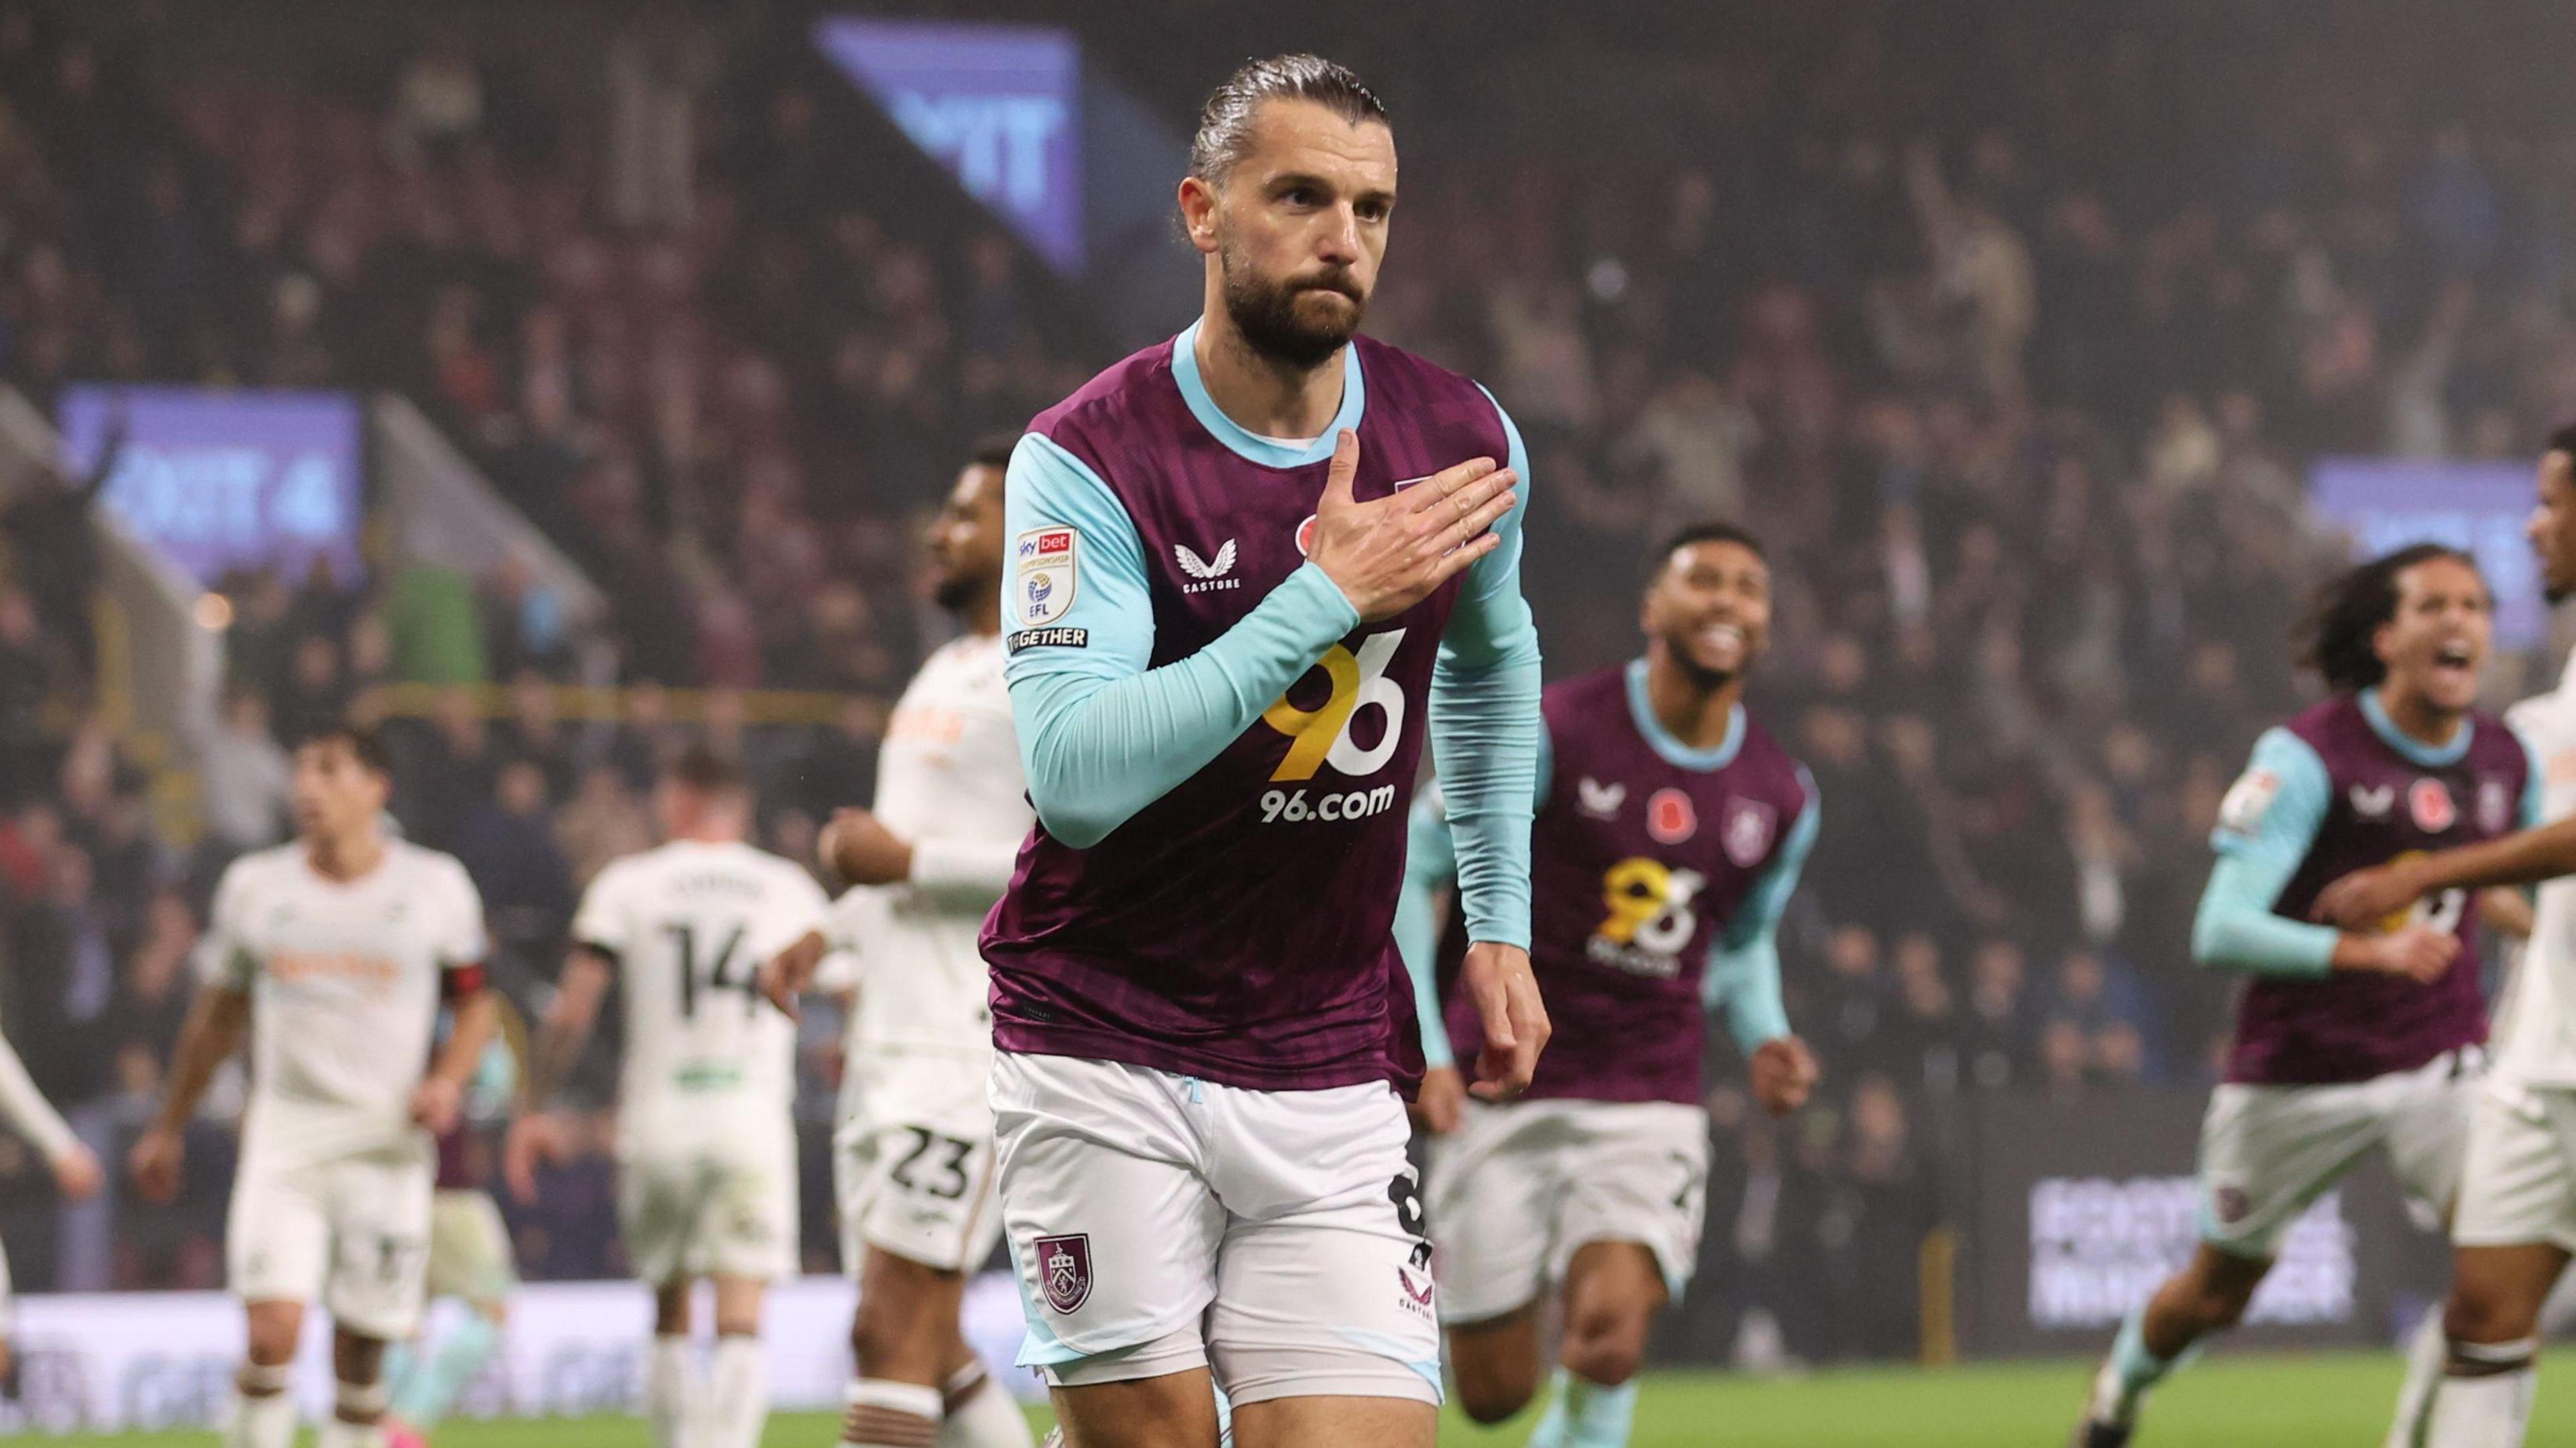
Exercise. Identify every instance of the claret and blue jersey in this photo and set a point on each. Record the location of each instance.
(1659, 874)
(1220, 753)
(2337, 789)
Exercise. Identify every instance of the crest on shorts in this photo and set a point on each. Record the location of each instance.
(1064, 1265)
(1747, 835)
(2231, 1205)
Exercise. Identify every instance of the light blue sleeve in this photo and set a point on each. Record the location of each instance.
(1102, 734)
(1743, 975)
(1485, 726)
(2534, 811)
(2265, 828)
(1430, 865)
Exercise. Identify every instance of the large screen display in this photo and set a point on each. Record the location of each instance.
(999, 105)
(219, 480)
(2387, 503)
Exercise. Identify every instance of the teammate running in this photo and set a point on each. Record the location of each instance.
(335, 950)
(706, 1144)
(2346, 1041)
(1245, 565)
(913, 1151)
(469, 1251)
(1670, 833)
(75, 1168)
(2516, 1224)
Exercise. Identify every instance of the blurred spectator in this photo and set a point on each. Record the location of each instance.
(243, 775)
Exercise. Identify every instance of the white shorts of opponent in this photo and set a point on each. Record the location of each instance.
(469, 1247)
(2519, 1184)
(349, 1231)
(2266, 1152)
(708, 1209)
(913, 1167)
(1516, 1189)
(1161, 1223)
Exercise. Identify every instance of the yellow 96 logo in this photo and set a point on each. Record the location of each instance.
(1650, 904)
(2439, 912)
(1322, 735)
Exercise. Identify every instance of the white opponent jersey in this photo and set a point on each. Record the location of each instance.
(688, 924)
(345, 980)
(948, 780)
(2539, 1033)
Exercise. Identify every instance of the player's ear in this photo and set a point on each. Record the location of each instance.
(1198, 213)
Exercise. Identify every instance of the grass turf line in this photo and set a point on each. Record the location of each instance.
(2243, 1401)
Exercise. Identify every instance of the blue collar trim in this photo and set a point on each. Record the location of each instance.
(1661, 740)
(2431, 756)
(1252, 446)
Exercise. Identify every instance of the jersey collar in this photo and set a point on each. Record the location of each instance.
(1661, 740)
(2416, 751)
(1251, 446)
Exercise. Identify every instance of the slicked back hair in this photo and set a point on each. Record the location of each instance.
(1225, 122)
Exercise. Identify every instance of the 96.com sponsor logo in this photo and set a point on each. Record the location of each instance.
(1295, 806)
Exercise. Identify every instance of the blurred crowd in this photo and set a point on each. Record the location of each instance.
(2011, 336)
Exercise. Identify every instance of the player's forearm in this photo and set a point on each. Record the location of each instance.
(2232, 933)
(1485, 734)
(27, 1110)
(1743, 980)
(1097, 750)
(550, 1061)
(2528, 858)
(971, 871)
(475, 1018)
(1417, 939)
(212, 1030)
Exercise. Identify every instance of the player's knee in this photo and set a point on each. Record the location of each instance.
(671, 1311)
(1605, 1346)
(271, 1340)
(1491, 1400)
(2478, 1315)
(883, 1333)
(2219, 1307)
(1490, 1391)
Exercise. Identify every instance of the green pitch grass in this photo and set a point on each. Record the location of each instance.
(2244, 1401)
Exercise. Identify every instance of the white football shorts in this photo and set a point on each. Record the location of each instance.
(1160, 1223)
(350, 1231)
(469, 1247)
(1519, 1187)
(914, 1170)
(710, 1209)
(2266, 1152)
(2519, 1183)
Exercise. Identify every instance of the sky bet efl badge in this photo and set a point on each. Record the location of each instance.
(1044, 576)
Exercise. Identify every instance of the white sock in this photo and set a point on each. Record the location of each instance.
(266, 1420)
(738, 1393)
(2426, 1351)
(672, 1392)
(883, 1413)
(981, 1413)
(2490, 1411)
